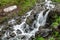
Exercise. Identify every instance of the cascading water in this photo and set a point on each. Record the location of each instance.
(24, 30)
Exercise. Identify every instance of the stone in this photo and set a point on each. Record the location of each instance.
(11, 29)
(12, 34)
(8, 37)
(45, 32)
(10, 8)
(1, 33)
(18, 31)
(23, 37)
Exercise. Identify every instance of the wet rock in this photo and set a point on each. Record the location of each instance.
(12, 34)
(1, 33)
(18, 31)
(11, 29)
(29, 20)
(18, 21)
(4, 39)
(47, 25)
(30, 28)
(9, 25)
(26, 30)
(32, 38)
(38, 8)
(57, 28)
(23, 37)
(13, 21)
(8, 37)
(45, 32)
(5, 28)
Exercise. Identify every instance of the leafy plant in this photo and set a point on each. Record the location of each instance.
(52, 38)
(39, 38)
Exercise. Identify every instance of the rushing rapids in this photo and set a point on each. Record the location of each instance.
(23, 31)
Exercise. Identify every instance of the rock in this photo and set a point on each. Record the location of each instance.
(29, 20)
(12, 34)
(12, 21)
(57, 8)
(18, 31)
(11, 29)
(18, 20)
(32, 38)
(8, 37)
(30, 28)
(38, 8)
(9, 9)
(23, 37)
(5, 28)
(45, 32)
(57, 28)
(1, 33)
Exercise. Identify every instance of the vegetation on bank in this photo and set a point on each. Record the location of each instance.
(23, 6)
(56, 1)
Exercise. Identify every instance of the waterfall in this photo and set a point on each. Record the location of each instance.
(24, 30)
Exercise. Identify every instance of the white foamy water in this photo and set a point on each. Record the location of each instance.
(27, 31)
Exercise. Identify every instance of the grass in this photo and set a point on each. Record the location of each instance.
(56, 1)
(39, 38)
(57, 21)
(24, 6)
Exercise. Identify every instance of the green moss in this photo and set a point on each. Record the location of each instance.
(56, 1)
(52, 38)
(57, 21)
(39, 38)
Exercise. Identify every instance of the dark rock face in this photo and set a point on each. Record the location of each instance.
(23, 37)
(45, 32)
(58, 26)
(30, 19)
(12, 34)
(8, 37)
(1, 33)
(18, 31)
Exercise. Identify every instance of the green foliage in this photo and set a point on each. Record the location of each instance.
(52, 38)
(23, 5)
(55, 24)
(39, 38)
(56, 0)
(57, 21)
